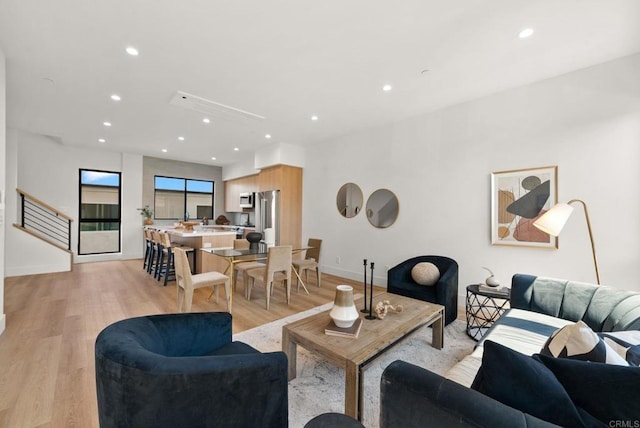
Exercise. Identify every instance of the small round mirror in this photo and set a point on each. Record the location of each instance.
(349, 200)
(382, 208)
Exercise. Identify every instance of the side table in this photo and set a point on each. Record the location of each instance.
(483, 308)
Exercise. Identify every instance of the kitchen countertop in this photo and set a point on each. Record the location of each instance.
(187, 233)
(231, 226)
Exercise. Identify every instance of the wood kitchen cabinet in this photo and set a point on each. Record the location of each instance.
(222, 238)
(287, 179)
(232, 190)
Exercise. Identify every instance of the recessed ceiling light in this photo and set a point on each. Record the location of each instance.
(213, 158)
(115, 97)
(102, 140)
(236, 149)
(267, 136)
(106, 123)
(314, 118)
(206, 120)
(181, 138)
(386, 88)
(132, 51)
(525, 33)
(164, 150)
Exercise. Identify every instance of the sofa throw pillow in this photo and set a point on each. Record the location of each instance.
(577, 341)
(608, 392)
(523, 383)
(425, 273)
(625, 343)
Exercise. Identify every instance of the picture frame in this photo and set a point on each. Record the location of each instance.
(518, 198)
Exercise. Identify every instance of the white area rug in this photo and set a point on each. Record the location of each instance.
(319, 386)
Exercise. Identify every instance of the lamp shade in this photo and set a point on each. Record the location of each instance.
(554, 220)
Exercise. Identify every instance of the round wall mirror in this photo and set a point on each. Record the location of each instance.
(382, 208)
(349, 200)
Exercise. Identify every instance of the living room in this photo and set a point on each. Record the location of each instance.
(585, 120)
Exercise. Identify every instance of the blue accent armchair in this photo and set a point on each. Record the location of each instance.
(444, 292)
(183, 370)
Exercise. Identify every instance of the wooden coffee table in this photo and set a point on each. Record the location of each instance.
(376, 336)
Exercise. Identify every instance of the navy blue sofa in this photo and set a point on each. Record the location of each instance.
(415, 397)
(183, 370)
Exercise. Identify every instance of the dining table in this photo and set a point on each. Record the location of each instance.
(234, 256)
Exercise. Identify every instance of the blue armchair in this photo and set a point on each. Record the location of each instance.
(183, 370)
(444, 292)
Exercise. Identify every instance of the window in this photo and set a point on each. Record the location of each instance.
(182, 198)
(99, 212)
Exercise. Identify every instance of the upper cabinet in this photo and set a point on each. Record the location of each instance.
(233, 189)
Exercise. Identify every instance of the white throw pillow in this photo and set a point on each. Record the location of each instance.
(425, 273)
(625, 343)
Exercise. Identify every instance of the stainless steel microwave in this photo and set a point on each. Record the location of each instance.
(246, 200)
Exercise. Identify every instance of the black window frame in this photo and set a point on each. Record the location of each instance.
(82, 220)
(185, 193)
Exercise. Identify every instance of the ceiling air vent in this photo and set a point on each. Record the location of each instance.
(211, 108)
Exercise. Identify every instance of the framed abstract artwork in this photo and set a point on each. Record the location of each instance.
(518, 198)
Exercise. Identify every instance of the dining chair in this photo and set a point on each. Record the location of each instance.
(310, 262)
(244, 267)
(186, 283)
(278, 268)
(241, 244)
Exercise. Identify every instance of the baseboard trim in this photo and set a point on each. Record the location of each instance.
(35, 270)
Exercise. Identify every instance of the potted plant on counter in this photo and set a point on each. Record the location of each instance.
(147, 213)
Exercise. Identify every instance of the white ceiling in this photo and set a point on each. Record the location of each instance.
(284, 60)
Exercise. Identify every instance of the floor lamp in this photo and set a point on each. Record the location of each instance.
(554, 220)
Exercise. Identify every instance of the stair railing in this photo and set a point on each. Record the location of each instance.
(44, 221)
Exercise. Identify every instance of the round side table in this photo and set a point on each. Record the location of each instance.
(483, 308)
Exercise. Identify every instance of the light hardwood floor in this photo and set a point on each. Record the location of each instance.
(47, 376)
(46, 352)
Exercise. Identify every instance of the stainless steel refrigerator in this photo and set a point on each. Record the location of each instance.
(268, 213)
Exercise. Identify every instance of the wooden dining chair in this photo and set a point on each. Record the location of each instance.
(186, 283)
(310, 262)
(244, 267)
(278, 268)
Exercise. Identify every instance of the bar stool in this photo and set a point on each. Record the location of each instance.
(156, 250)
(148, 239)
(166, 267)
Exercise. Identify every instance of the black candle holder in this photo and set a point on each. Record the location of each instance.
(370, 316)
(365, 310)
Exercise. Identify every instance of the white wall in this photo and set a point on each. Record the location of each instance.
(3, 162)
(50, 172)
(439, 166)
(132, 242)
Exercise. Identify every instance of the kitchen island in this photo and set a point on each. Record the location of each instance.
(240, 230)
(209, 238)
